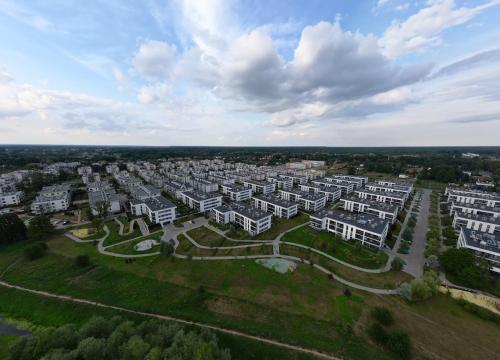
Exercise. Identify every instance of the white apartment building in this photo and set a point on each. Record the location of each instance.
(296, 179)
(486, 224)
(381, 210)
(11, 198)
(260, 187)
(237, 192)
(158, 209)
(200, 201)
(369, 230)
(281, 183)
(278, 207)
(332, 194)
(345, 186)
(475, 209)
(142, 192)
(252, 220)
(382, 196)
(84, 170)
(483, 245)
(175, 188)
(469, 196)
(391, 187)
(307, 201)
(104, 197)
(112, 169)
(358, 181)
(52, 199)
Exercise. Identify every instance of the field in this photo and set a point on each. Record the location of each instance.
(303, 307)
(206, 237)
(332, 245)
(128, 247)
(278, 226)
(114, 237)
(186, 247)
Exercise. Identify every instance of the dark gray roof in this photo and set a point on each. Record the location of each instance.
(158, 203)
(201, 196)
(235, 187)
(275, 200)
(477, 207)
(487, 219)
(383, 193)
(364, 221)
(377, 205)
(244, 210)
(490, 242)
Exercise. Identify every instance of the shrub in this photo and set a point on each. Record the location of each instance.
(166, 248)
(82, 261)
(377, 333)
(382, 315)
(397, 264)
(398, 342)
(347, 292)
(35, 251)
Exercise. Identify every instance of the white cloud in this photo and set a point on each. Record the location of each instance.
(153, 93)
(422, 29)
(154, 60)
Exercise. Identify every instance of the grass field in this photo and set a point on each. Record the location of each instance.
(128, 247)
(278, 226)
(4, 346)
(114, 236)
(204, 236)
(303, 307)
(336, 247)
(186, 247)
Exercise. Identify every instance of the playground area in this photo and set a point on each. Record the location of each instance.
(83, 233)
(279, 265)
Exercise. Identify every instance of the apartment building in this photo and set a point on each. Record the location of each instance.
(278, 207)
(382, 196)
(470, 196)
(11, 198)
(483, 223)
(175, 188)
(296, 179)
(204, 185)
(281, 183)
(475, 209)
(201, 201)
(112, 169)
(52, 199)
(369, 230)
(142, 192)
(381, 210)
(237, 192)
(252, 220)
(104, 198)
(332, 193)
(260, 187)
(91, 177)
(158, 209)
(345, 186)
(358, 181)
(391, 187)
(307, 201)
(483, 245)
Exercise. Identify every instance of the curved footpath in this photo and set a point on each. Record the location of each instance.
(170, 318)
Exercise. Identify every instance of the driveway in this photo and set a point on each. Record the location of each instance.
(415, 260)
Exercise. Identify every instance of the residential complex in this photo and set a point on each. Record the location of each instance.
(52, 199)
(252, 220)
(307, 201)
(200, 201)
(158, 209)
(379, 209)
(260, 187)
(237, 192)
(276, 206)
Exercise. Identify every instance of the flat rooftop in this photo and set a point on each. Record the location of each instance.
(275, 200)
(477, 207)
(475, 194)
(158, 203)
(483, 218)
(404, 188)
(383, 193)
(201, 196)
(387, 207)
(363, 221)
(489, 242)
(235, 187)
(244, 210)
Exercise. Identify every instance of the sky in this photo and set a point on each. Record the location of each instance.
(250, 72)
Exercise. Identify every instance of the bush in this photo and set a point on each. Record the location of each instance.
(82, 261)
(166, 248)
(35, 251)
(397, 264)
(382, 315)
(398, 342)
(378, 334)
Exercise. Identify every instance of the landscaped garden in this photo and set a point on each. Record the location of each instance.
(331, 244)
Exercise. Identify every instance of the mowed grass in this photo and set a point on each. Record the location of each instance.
(385, 280)
(206, 237)
(336, 247)
(278, 226)
(186, 247)
(303, 307)
(296, 308)
(128, 248)
(114, 236)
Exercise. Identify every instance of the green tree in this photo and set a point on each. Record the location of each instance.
(398, 342)
(382, 315)
(12, 229)
(166, 248)
(40, 228)
(397, 264)
(35, 251)
(92, 348)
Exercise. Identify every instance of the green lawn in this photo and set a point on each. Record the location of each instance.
(114, 237)
(4, 346)
(186, 247)
(128, 247)
(278, 226)
(336, 247)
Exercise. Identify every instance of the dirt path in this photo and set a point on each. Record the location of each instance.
(169, 318)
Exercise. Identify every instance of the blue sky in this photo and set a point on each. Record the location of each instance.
(222, 72)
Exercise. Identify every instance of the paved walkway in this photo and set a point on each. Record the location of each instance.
(170, 318)
(415, 260)
(143, 226)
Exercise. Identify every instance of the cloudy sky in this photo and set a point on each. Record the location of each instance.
(250, 72)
